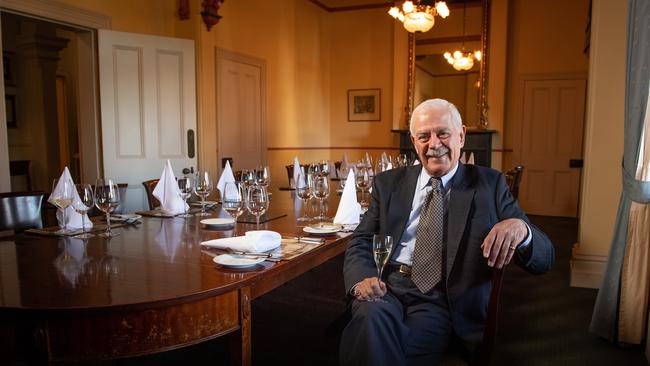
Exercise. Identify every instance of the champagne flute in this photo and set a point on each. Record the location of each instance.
(233, 199)
(203, 188)
(257, 202)
(381, 247)
(62, 199)
(186, 186)
(321, 190)
(304, 192)
(84, 201)
(107, 199)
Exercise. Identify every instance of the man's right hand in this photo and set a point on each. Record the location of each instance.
(369, 289)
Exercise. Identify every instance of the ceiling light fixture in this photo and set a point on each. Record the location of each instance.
(419, 16)
(462, 59)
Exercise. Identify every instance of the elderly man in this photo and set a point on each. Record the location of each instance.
(451, 224)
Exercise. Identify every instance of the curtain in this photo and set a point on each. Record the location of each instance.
(621, 306)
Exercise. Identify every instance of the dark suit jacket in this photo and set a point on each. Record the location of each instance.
(479, 199)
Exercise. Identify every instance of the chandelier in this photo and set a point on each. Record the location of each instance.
(419, 17)
(461, 59)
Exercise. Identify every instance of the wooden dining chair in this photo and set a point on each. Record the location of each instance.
(20, 211)
(513, 178)
(149, 186)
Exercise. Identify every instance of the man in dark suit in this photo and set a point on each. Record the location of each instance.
(451, 224)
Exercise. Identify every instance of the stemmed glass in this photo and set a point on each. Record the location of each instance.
(363, 182)
(233, 199)
(62, 199)
(203, 188)
(257, 202)
(304, 192)
(324, 166)
(186, 186)
(263, 176)
(381, 247)
(82, 204)
(107, 199)
(248, 177)
(321, 190)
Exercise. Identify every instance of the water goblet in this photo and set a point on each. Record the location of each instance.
(233, 199)
(203, 188)
(185, 186)
(62, 199)
(304, 192)
(257, 202)
(84, 201)
(107, 199)
(321, 190)
(381, 247)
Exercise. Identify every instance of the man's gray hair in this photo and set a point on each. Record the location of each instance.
(440, 104)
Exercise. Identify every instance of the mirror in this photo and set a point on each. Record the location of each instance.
(431, 76)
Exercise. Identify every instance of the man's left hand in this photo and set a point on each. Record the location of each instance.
(502, 241)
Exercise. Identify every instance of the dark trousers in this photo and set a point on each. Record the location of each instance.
(409, 328)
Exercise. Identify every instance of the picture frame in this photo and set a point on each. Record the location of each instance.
(10, 108)
(364, 105)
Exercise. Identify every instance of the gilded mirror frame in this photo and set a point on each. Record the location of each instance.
(483, 122)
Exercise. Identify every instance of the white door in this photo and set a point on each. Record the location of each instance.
(552, 124)
(240, 110)
(148, 109)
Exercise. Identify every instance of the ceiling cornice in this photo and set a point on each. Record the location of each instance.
(385, 4)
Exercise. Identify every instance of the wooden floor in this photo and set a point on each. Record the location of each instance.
(543, 321)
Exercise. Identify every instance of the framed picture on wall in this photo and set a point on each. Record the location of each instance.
(364, 105)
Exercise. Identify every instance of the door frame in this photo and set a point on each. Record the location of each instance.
(88, 102)
(221, 55)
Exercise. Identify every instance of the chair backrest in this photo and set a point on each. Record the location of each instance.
(484, 352)
(20, 210)
(513, 178)
(149, 186)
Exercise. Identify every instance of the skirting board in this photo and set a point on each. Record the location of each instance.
(586, 269)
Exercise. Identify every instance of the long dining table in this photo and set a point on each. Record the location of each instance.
(150, 289)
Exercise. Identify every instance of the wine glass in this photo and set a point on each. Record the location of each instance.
(324, 167)
(186, 186)
(233, 199)
(263, 176)
(321, 190)
(248, 177)
(62, 199)
(304, 192)
(84, 201)
(363, 182)
(257, 202)
(381, 247)
(203, 188)
(107, 199)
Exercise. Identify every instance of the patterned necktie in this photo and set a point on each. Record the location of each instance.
(427, 254)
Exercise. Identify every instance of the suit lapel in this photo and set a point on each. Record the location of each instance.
(460, 202)
(400, 204)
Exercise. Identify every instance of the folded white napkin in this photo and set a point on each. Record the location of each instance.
(73, 218)
(470, 160)
(297, 171)
(226, 177)
(416, 162)
(168, 193)
(255, 241)
(349, 208)
(462, 157)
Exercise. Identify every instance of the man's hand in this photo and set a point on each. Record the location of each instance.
(501, 242)
(369, 289)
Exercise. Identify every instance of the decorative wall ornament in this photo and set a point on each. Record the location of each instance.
(209, 13)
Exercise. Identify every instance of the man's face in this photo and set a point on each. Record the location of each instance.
(437, 141)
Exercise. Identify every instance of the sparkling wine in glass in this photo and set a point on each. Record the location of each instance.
(257, 202)
(304, 192)
(107, 199)
(381, 247)
(186, 187)
(62, 199)
(321, 190)
(82, 204)
(203, 188)
(233, 199)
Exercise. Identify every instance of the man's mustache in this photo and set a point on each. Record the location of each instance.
(438, 152)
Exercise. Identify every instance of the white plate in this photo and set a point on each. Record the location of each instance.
(322, 229)
(125, 217)
(219, 222)
(236, 261)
